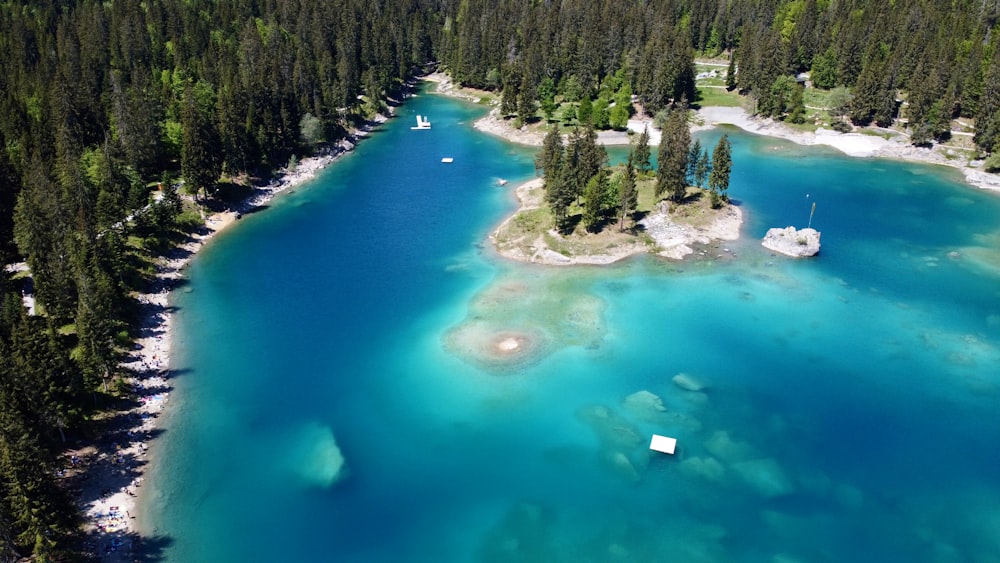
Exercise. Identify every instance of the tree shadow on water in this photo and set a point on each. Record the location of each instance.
(152, 548)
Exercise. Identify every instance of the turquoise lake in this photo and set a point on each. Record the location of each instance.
(849, 402)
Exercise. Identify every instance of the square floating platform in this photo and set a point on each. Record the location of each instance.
(663, 444)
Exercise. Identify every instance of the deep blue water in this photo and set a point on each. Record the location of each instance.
(848, 409)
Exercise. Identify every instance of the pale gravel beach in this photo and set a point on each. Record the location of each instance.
(852, 144)
(858, 145)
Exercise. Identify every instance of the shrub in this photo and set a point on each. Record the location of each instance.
(188, 221)
(841, 126)
(992, 163)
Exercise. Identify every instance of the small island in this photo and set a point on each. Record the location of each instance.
(800, 243)
(584, 212)
(666, 229)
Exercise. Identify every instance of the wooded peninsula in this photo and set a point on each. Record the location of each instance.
(123, 123)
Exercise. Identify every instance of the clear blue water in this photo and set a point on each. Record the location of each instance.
(848, 409)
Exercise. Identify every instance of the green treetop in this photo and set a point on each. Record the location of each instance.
(722, 166)
(627, 195)
(673, 154)
(641, 152)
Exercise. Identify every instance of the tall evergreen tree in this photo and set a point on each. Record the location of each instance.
(559, 194)
(628, 197)
(673, 154)
(987, 134)
(796, 107)
(595, 201)
(201, 165)
(702, 169)
(551, 155)
(641, 152)
(731, 73)
(593, 156)
(585, 112)
(525, 100)
(694, 154)
(722, 166)
(511, 89)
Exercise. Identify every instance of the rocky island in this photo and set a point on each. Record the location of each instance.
(791, 242)
(667, 230)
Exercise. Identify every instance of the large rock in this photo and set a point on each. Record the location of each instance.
(315, 456)
(688, 382)
(792, 242)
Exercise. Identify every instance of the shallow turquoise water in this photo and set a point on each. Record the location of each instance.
(848, 409)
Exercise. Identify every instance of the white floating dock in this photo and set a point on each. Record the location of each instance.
(447, 160)
(422, 123)
(663, 444)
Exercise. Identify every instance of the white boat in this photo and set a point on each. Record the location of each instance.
(447, 160)
(422, 123)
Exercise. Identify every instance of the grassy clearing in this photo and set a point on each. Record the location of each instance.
(696, 210)
(718, 97)
(816, 98)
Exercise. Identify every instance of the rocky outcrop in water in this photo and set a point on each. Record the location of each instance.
(792, 242)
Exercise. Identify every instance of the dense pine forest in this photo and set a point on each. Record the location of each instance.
(103, 104)
(924, 61)
(100, 103)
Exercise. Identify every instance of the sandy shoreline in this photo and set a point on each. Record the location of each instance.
(108, 474)
(852, 144)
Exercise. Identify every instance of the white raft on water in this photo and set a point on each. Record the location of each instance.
(422, 123)
(663, 444)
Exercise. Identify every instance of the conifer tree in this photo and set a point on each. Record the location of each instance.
(200, 162)
(628, 197)
(702, 169)
(694, 153)
(673, 155)
(551, 154)
(559, 194)
(593, 156)
(731, 73)
(722, 165)
(796, 106)
(585, 113)
(987, 134)
(584, 158)
(525, 101)
(641, 152)
(594, 202)
(570, 165)
(509, 94)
